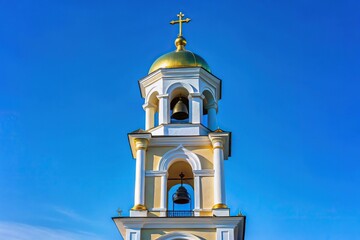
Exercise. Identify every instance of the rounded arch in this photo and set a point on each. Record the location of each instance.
(209, 97)
(174, 86)
(151, 97)
(179, 236)
(178, 154)
(177, 167)
(176, 158)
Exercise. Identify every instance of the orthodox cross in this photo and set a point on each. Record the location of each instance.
(180, 21)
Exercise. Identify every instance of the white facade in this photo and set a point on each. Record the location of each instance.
(201, 88)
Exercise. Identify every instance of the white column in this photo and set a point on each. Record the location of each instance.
(149, 115)
(212, 122)
(163, 191)
(164, 109)
(196, 107)
(219, 178)
(139, 199)
(197, 192)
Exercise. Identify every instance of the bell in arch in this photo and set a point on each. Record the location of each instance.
(180, 110)
(181, 196)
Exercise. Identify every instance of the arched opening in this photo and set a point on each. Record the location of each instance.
(209, 110)
(174, 162)
(179, 105)
(180, 189)
(151, 108)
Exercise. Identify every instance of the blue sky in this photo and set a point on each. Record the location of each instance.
(69, 95)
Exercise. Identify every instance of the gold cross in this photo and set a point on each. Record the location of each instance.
(180, 21)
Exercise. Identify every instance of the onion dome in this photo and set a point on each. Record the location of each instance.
(180, 58)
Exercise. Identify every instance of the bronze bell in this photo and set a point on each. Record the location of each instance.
(181, 196)
(180, 111)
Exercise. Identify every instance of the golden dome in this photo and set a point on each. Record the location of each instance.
(179, 58)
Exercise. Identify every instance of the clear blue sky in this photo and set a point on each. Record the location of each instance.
(69, 95)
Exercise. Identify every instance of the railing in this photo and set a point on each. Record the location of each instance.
(181, 213)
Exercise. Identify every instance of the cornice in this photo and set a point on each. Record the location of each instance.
(184, 222)
(192, 73)
(132, 140)
(171, 141)
(224, 138)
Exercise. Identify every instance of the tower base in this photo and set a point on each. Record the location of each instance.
(212, 228)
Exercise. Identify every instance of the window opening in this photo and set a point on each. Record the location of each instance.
(180, 198)
(179, 110)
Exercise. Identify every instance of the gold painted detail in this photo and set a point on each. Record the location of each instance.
(180, 43)
(219, 206)
(180, 57)
(141, 143)
(218, 130)
(139, 207)
(220, 147)
(180, 22)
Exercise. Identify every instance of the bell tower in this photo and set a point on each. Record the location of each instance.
(179, 180)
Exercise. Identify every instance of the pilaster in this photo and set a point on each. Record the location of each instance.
(196, 108)
(164, 109)
(133, 234)
(225, 234)
(163, 196)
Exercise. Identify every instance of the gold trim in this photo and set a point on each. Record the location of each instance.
(141, 143)
(139, 207)
(141, 148)
(218, 147)
(219, 206)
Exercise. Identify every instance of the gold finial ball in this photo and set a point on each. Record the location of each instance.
(180, 43)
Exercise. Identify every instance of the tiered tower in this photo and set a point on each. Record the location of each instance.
(180, 149)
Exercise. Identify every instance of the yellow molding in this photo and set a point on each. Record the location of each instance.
(219, 206)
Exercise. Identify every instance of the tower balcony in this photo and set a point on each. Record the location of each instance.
(179, 213)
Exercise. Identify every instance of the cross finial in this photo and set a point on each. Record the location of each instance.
(180, 21)
(119, 211)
